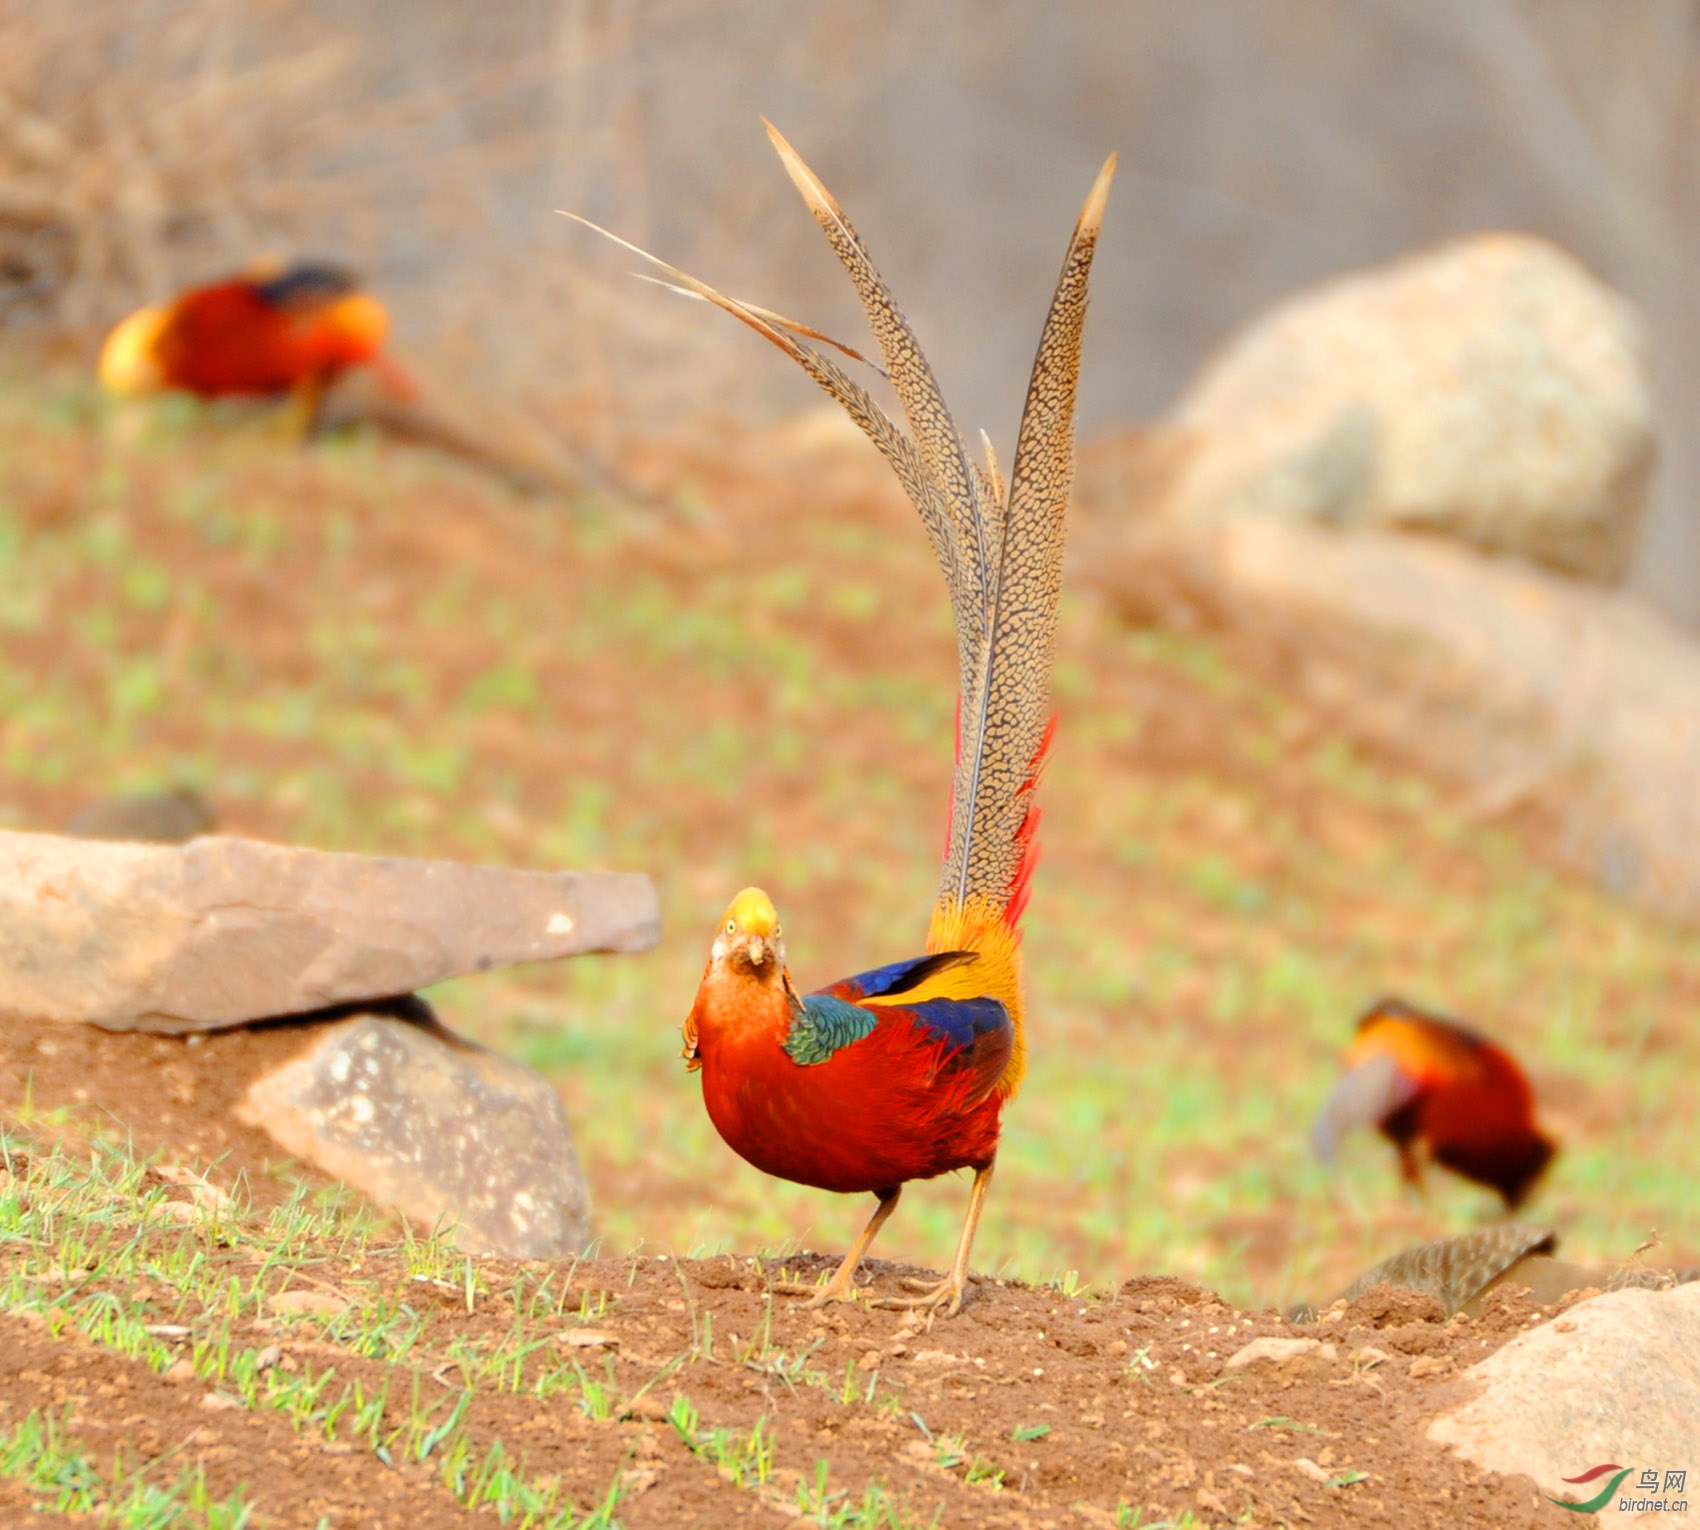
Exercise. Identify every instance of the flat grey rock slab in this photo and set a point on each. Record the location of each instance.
(221, 931)
(448, 1134)
(1613, 1379)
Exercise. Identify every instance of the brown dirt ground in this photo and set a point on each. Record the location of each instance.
(174, 1096)
(1130, 1381)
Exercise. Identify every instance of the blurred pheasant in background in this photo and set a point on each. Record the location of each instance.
(901, 1073)
(292, 331)
(1432, 1084)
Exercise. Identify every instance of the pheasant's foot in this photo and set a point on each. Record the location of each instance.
(911, 1283)
(841, 1288)
(945, 1296)
(835, 1290)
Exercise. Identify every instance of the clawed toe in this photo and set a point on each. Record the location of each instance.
(946, 1296)
(835, 1290)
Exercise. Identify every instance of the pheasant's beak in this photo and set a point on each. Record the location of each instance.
(758, 949)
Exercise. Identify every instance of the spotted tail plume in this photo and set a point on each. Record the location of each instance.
(1001, 552)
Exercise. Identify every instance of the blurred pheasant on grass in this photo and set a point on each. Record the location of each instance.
(901, 1073)
(298, 333)
(1438, 1090)
(267, 333)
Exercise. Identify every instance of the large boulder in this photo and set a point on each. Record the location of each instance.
(1491, 391)
(221, 931)
(1545, 686)
(1613, 1380)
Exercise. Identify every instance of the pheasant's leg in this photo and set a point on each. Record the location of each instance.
(842, 1287)
(298, 419)
(948, 1293)
(1411, 1168)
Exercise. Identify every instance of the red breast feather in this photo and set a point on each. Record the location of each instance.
(1480, 1123)
(887, 1109)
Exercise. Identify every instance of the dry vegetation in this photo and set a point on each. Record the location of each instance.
(133, 159)
(1260, 151)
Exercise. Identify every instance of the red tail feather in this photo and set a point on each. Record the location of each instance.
(1027, 836)
(1041, 755)
(1020, 885)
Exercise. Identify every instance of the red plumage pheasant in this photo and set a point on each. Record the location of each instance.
(901, 1073)
(295, 331)
(1423, 1080)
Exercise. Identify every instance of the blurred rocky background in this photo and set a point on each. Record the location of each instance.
(1265, 147)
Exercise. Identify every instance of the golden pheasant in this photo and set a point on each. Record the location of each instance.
(1423, 1080)
(901, 1073)
(286, 331)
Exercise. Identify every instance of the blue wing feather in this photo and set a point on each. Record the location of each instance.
(961, 1022)
(306, 286)
(881, 979)
(978, 1035)
(900, 977)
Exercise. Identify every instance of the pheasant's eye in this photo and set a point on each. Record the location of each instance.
(731, 926)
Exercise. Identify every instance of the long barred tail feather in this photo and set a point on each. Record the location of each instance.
(777, 320)
(974, 523)
(899, 451)
(1006, 710)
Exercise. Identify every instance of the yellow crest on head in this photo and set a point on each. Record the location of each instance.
(264, 268)
(127, 360)
(752, 913)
